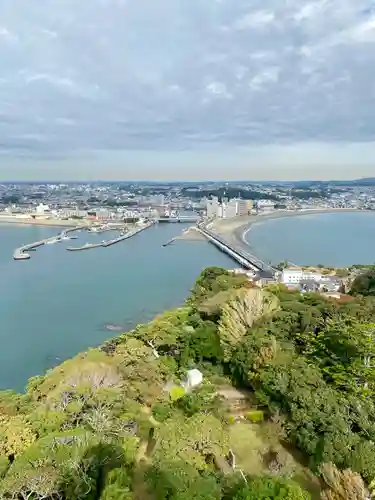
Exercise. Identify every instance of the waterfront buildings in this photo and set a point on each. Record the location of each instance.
(309, 280)
(227, 209)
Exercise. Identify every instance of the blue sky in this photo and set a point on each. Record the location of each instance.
(187, 89)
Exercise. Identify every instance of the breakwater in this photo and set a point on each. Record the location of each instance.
(20, 253)
(89, 246)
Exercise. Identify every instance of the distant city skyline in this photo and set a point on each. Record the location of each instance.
(187, 90)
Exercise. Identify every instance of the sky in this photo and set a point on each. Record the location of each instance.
(187, 89)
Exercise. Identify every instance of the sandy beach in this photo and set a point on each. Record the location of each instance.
(39, 222)
(234, 230)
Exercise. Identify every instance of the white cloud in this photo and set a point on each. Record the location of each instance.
(218, 89)
(363, 32)
(310, 10)
(116, 74)
(7, 36)
(51, 79)
(268, 75)
(257, 19)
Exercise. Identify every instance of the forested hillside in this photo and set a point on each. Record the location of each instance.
(285, 409)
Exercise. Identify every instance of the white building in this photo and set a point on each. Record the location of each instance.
(227, 208)
(42, 209)
(213, 208)
(159, 200)
(295, 276)
(266, 205)
(230, 209)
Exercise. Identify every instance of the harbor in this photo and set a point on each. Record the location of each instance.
(21, 253)
(108, 243)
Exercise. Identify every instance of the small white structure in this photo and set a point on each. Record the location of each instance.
(193, 378)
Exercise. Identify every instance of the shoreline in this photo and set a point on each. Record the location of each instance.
(42, 223)
(235, 229)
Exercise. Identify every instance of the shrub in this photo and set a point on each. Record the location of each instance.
(161, 411)
(4, 466)
(176, 393)
(231, 419)
(255, 416)
(202, 400)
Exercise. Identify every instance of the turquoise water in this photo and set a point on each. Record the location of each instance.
(57, 303)
(337, 239)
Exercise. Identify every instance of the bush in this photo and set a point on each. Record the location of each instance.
(162, 411)
(176, 393)
(255, 416)
(267, 488)
(4, 466)
(202, 400)
(231, 419)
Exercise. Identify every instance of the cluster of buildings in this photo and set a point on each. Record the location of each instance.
(227, 208)
(310, 280)
(44, 212)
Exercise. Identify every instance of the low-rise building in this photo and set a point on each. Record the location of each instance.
(294, 276)
(308, 280)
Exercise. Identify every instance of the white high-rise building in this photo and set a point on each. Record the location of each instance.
(230, 209)
(159, 200)
(227, 208)
(212, 207)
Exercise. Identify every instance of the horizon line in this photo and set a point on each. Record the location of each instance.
(171, 181)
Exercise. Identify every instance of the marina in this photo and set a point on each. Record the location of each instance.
(21, 253)
(108, 243)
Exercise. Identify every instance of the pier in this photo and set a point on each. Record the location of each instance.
(21, 252)
(104, 244)
(179, 218)
(244, 258)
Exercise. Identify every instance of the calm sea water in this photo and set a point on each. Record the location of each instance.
(57, 303)
(337, 239)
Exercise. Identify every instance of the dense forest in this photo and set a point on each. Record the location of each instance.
(285, 409)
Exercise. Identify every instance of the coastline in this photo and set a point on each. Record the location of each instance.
(46, 222)
(235, 229)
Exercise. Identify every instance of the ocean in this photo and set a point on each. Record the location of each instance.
(335, 239)
(58, 303)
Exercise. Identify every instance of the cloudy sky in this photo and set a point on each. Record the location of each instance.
(187, 89)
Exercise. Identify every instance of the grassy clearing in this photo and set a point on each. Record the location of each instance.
(252, 446)
(248, 447)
